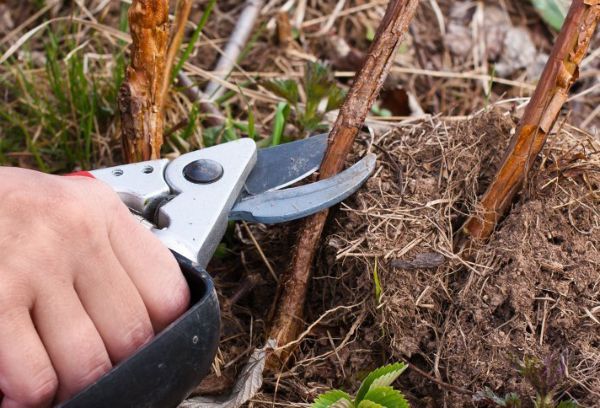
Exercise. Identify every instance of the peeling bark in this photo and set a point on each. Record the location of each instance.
(552, 91)
(367, 84)
(141, 99)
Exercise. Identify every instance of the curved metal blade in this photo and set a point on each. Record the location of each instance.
(293, 203)
(283, 165)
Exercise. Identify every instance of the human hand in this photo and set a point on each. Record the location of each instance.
(82, 285)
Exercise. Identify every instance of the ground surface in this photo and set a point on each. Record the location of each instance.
(446, 114)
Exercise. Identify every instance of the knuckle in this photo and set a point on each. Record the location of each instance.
(41, 388)
(15, 294)
(93, 368)
(16, 200)
(103, 191)
(109, 206)
(176, 301)
(65, 205)
(79, 221)
(135, 336)
(87, 197)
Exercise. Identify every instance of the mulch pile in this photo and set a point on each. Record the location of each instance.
(532, 290)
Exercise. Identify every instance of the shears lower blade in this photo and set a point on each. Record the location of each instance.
(293, 203)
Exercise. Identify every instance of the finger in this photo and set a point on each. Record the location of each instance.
(113, 303)
(72, 341)
(10, 403)
(152, 269)
(27, 377)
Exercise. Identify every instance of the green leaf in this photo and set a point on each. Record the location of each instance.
(285, 88)
(379, 111)
(567, 404)
(211, 135)
(377, 282)
(251, 122)
(281, 115)
(309, 124)
(333, 399)
(195, 35)
(553, 12)
(229, 132)
(318, 81)
(370, 34)
(343, 403)
(510, 400)
(336, 98)
(380, 377)
(386, 397)
(369, 404)
(192, 125)
(221, 251)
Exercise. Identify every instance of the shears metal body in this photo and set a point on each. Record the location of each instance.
(187, 203)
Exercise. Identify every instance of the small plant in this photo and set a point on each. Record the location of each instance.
(510, 400)
(374, 392)
(321, 96)
(546, 377)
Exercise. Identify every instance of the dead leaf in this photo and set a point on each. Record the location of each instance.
(247, 385)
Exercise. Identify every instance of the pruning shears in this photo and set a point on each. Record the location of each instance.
(187, 203)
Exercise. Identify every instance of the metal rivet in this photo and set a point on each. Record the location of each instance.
(203, 171)
(147, 169)
(117, 172)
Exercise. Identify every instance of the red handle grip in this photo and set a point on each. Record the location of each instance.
(81, 173)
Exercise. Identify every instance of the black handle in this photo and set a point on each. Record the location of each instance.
(165, 371)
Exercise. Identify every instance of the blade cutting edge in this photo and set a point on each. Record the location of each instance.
(298, 202)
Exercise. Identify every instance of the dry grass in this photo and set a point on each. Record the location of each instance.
(442, 81)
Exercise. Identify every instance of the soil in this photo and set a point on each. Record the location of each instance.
(531, 291)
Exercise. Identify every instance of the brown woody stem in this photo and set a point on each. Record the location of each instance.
(362, 95)
(552, 91)
(140, 96)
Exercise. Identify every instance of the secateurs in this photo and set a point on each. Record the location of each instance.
(187, 203)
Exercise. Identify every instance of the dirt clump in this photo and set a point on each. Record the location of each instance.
(532, 290)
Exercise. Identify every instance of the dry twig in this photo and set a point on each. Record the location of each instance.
(551, 93)
(234, 47)
(362, 95)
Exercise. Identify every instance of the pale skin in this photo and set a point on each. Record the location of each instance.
(82, 285)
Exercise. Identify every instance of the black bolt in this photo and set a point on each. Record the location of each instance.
(203, 171)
